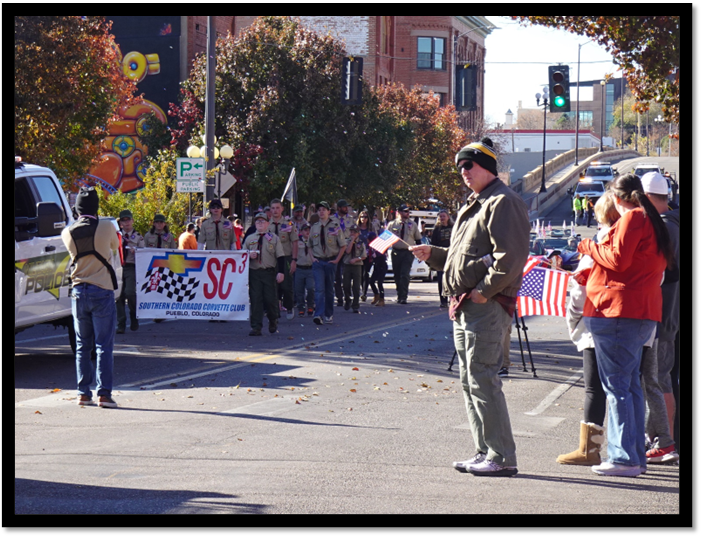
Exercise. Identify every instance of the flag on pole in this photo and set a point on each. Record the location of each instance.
(384, 241)
(290, 192)
(543, 290)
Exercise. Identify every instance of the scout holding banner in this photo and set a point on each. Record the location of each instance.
(178, 284)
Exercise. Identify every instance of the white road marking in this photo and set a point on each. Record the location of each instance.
(555, 394)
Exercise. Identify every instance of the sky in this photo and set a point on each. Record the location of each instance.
(517, 60)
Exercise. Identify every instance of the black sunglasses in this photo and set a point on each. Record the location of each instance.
(465, 166)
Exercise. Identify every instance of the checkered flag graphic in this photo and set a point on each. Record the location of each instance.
(163, 280)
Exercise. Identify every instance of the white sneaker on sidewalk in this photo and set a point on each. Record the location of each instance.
(618, 470)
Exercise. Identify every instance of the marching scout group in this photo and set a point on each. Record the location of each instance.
(308, 265)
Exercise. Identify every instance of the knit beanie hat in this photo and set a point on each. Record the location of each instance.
(482, 153)
(87, 201)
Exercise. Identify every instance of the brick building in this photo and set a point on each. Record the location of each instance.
(410, 50)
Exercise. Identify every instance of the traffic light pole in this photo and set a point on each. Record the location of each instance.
(209, 110)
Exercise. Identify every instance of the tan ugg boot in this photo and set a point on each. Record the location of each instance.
(588, 453)
(381, 301)
(376, 297)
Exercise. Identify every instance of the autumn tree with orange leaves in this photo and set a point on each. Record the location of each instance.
(68, 87)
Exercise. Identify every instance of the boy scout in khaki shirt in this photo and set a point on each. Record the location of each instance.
(304, 277)
(216, 232)
(402, 258)
(284, 228)
(353, 268)
(328, 243)
(159, 236)
(266, 266)
(131, 240)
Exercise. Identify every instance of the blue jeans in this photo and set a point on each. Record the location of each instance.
(618, 345)
(304, 286)
(94, 319)
(324, 273)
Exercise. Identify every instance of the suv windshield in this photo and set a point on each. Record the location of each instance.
(595, 186)
(598, 172)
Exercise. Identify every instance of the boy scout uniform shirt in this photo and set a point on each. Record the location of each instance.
(285, 230)
(334, 239)
(216, 236)
(304, 259)
(167, 240)
(410, 235)
(358, 251)
(345, 222)
(269, 251)
(130, 242)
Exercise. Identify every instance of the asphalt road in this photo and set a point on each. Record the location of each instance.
(358, 417)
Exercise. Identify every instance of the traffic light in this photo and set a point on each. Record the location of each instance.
(559, 88)
(466, 87)
(351, 80)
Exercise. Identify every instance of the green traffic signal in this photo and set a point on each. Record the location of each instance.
(559, 88)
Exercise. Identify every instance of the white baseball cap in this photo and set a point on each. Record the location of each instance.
(654, 183)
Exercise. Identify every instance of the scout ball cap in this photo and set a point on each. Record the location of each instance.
(342, 203)
(324, 204)
(215, 204)
(261, 216)
(403, 207)
(159, 218)
(126, 214)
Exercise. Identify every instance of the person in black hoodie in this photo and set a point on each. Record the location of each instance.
(441, 236)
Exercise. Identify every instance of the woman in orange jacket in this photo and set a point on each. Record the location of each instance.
(625, 303)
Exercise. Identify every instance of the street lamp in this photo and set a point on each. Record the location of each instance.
(577, 104)
(226, 152)
(603, 87)
(543, 164)
(659, 120)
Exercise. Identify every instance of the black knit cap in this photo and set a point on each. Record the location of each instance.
(87, 201)
(482, 153)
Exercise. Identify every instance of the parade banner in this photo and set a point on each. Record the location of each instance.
(192, 284)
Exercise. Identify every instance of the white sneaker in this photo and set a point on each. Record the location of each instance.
(462, 466)
(492, 469)
(290, 315)
(329, 320)
(619, 470)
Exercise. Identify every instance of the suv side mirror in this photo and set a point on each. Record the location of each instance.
(50, 219)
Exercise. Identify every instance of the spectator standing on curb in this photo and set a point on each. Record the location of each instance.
(625, 303)
(90, 243)
(577, 209)
(131, 240)
(483, 274)
(441, 236)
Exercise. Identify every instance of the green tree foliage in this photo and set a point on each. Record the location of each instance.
(68, 87)
(158, 196)
(646, 48)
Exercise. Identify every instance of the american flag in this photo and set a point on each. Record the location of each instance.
(384, 241)
(543, 290)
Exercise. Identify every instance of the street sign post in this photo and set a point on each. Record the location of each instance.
(190, 175)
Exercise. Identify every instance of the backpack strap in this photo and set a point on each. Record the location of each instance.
(83, 235)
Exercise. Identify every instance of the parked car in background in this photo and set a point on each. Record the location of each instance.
(419, 270)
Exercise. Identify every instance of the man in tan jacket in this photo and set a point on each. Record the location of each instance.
(91, 243)
(482, 275)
